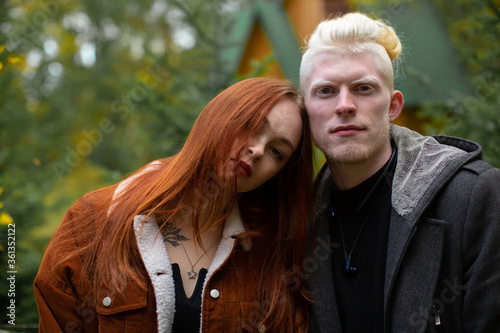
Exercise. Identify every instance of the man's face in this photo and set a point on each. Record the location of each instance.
(350, 105)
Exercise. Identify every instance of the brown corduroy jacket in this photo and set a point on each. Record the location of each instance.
(66, 302)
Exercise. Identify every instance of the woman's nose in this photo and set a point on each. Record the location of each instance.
(255, 150)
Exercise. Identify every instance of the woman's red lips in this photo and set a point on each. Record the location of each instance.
(244, 169)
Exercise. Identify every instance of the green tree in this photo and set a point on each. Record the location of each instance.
(90, 91)
(474, 28)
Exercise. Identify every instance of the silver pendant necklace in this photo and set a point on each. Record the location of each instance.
(192, 273)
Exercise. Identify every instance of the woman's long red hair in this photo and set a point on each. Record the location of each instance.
(276, 215)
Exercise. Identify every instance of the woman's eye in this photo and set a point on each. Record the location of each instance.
(276, 153)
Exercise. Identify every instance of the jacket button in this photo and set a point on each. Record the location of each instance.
(214, 293)
(262, 328)
(106, 301)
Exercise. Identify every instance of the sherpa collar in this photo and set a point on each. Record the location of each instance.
(156, 260)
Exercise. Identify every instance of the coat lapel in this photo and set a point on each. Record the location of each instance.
(400, 234)
(325, 308)
(318, 263)
(410, 282)
(157, 263)
(232, 228)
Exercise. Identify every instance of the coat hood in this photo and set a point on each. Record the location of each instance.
(423, 162)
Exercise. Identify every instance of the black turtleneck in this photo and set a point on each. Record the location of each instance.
(360, 294)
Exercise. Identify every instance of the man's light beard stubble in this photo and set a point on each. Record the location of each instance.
(359, 152)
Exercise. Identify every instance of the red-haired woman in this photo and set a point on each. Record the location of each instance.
(208, 240)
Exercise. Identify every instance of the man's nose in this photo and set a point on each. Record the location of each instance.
(345, 104)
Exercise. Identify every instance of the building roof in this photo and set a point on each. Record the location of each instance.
(275, 23)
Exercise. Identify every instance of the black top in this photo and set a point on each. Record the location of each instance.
(187, 310)
(360, 290)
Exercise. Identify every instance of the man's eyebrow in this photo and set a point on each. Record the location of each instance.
(368, 79)
(315, 85)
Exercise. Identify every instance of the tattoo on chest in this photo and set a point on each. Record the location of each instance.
(172, 234)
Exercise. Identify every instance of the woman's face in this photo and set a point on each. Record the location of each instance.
(270, 149)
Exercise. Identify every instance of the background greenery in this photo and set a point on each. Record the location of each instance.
(92, 90)
(474, 29)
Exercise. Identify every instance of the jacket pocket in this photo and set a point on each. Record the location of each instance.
(122, 312)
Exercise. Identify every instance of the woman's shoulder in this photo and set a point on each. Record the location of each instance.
(103, 198)
(123, 185)
(92, 209)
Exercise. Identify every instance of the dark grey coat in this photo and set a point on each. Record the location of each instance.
(443, 254)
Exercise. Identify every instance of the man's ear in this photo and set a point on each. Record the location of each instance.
(396, 106)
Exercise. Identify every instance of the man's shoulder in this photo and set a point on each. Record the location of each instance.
(479, 167)
(480, 175)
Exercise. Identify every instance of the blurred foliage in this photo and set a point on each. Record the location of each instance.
(474, 29)
(90, 91)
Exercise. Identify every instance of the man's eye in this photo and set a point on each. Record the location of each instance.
(365, 88)
(276, 152)
(324, 91)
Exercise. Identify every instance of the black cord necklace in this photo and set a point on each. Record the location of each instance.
(349, 269)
